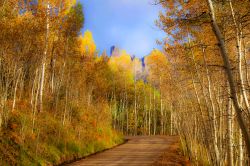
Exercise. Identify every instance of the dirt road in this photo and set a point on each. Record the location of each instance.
(138, 151)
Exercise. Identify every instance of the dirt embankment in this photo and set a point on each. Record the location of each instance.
(172, 156)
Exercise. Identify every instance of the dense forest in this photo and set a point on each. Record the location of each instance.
(208, 45)
(62, 99)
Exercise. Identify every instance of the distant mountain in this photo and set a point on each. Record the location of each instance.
(112, 48)
(114, 51)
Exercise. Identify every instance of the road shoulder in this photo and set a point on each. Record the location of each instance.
(172, 156)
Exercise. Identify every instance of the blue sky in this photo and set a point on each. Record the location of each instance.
(128, 24)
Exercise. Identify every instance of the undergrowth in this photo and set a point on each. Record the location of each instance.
(48, 141)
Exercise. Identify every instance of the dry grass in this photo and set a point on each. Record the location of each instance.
(173, 156)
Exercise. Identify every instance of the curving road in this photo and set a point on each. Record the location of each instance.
(138, 151)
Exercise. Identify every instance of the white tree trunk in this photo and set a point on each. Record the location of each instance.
(43, 67)
(230, 77)
(215, 131)
(14, 98)
(238, 34)
(229, 133)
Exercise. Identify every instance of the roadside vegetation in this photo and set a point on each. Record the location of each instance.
(208, 45)
(59, 98)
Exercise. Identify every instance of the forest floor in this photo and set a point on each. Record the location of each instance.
(140, 151)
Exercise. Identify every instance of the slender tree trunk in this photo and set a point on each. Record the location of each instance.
(202, 120)
(43, 67)
(229, 134)
(149, 113)
(215, 139)
(241, 153)
(145, 113)
(172, 121)
(53, 61)
(14, 98)
(135, 101)
(161, 109)
(65, 107)
(154, 115)
(35, 92)
(246, 66)
(238, 34)
(201, 84)
(135, 111)
(1, 118)
(123, 111)
(127, 125)
(162, 116)
(230, 78)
